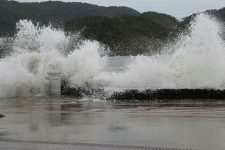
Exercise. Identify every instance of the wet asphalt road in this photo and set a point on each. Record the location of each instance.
(47, 124)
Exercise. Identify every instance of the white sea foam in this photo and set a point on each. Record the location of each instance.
(38, 50)
(197, 61)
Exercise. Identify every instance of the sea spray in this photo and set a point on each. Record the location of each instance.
(38, 50)
(195, 61)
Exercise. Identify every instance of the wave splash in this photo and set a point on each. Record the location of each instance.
(197, 60)
(38, 50)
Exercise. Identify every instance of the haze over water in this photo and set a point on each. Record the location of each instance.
(196, 60)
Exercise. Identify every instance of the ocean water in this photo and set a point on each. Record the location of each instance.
(195, 60)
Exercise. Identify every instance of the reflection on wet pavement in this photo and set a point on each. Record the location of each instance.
(102, 122)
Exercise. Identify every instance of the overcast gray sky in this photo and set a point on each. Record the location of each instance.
(177, 8)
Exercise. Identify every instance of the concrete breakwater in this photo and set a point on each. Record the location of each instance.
(169, 94)
(58, 87)
(148, 94)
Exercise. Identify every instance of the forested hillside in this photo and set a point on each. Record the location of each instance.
(53, 11)
(126, 34)
(122, 30)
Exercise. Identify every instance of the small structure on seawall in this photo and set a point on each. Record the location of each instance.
(55, 83)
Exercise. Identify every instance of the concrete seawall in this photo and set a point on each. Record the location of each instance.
(58, 87)
(148, 94)
(169, 94)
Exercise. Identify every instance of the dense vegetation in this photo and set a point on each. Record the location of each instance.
(123, 30)
(127, 34)
(218, 14)
(131, 35)
(52, 11)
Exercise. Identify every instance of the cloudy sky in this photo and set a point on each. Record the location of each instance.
(177, 8)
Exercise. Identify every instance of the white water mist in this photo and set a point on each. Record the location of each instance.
(197, 61)
(38, 50)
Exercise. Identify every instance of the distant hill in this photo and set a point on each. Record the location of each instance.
(163, 19)
(131, 35)
(219, 14)
(126, 35)
(123, 30)
(53, 11)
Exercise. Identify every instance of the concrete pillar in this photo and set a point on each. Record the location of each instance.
(55, 83)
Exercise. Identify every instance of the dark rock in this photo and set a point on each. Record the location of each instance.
(1, 115)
